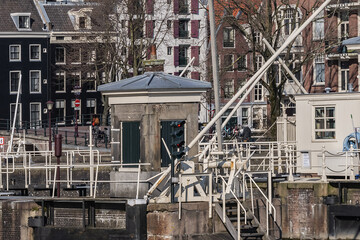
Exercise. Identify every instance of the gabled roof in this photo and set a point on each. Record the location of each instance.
(19, 6)
(154, 81)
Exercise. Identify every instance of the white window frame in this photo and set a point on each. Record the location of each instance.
(285, 11)
(76, 74)
(15, 91)
(92, 100)
(248, 117)
(35, 59)
(92, 56)
(319, 27)
(39, 81)
(232, 63)
(40, 115)
(347, 76)
(57, 101)
(19, 116)
(79, 53)
(319, 59)
(61, 73)
(15, 60)
(246, 63)
(325, 129)
(88, 76)
(261, 116)
(258, 92)
(231, 36)
(344, 24)
(16, 19)
(229, 88)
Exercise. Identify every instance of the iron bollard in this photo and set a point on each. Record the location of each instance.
(85, 137)
(75, 136)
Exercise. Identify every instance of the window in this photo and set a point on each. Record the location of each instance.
(35, 52)
(258, 93)
(91, 106)
(290, 20)
(241, 63)
(168, 24)
(257, 37)
(319, 69)
(123, 51)
(325, 122)
(344, 25)
(75, 80)
(60, 81)
(59, 55)
(24, 22)
(123, 23)
(92, 56)
(15, 53)
(229, 89)
(183, 7)
(35, 82)
(229, 63)
(183, 28)
(91, 81)
(82, 22)
(344, 75)
(318, 26)
(14, 81)
(169, 49)
(244, 116)
(75, 56)
(258, 62)
(183, 55)
(259, 117)
(229, 40)
(241, 83)
(35, 116)
(60, 110)
(18, 115)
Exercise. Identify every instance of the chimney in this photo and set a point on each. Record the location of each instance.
(153, 64)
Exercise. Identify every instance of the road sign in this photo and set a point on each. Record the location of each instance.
(77, 104)
(1, 140)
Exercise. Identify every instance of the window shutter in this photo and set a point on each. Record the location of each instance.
(195, 75)
(195, 51)
(149, 6)
(195, 6)
(176, 56)
(195, 28)
(176, 6)
(149, 28)
(176, 28)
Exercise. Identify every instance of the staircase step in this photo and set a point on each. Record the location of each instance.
(252, 235)
(234, 218)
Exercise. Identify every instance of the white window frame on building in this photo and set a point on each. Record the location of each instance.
(228, 63)
(19, 113)
(92, 56)
(91, 77)
(258, 92)
(13, 53)
(288, 18)
(319, 70)
(37, 56)
(258, 117)
(59, 60)
(241, 63)
(35, 122)
(63, 75)
(229, 89)
(15, 89)
(22, 21)
(76, 55)
(91, 105)
(344, 73)
(324, 125)
(35, 82)
(60, 104)
(343, 27)
(319, 27)
(245, 116)
(72, 75)
(228, 37)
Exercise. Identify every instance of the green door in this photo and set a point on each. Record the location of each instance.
(131, 142)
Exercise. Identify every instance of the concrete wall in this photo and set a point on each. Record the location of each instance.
(346, 104)
(150, 116)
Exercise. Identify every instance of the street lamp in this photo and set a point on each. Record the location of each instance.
(49, 105)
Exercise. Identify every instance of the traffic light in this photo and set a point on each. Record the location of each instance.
(177, 137)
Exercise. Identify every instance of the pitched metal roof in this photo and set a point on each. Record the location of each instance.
(351, 41)
(19, 6)
(154, 81)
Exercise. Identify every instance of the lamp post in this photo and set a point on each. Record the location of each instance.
(49, 105)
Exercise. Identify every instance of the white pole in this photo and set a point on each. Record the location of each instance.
(15, 115)
(292, 37)
(187, 66)
(91, 161)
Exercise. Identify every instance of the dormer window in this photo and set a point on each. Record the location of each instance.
(21, 21)
(81, 19)
(82, 22)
